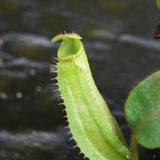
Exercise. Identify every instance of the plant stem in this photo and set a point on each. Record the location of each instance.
(134, 148)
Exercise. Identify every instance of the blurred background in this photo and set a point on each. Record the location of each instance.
(118, 38)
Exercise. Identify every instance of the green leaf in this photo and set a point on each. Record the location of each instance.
(90, 121)
(158, 4)
(142, 111)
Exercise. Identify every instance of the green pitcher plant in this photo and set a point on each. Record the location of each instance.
(90, 121)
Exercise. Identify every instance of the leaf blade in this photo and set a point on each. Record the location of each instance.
(142, 111)
(158, 4)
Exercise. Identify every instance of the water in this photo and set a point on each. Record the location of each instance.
(117, 35)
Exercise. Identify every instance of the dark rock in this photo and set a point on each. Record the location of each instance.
(27, 45)
(33, 145)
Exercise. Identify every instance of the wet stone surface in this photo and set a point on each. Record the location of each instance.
(118, 40)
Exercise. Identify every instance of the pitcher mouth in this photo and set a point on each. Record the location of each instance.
(70, 46)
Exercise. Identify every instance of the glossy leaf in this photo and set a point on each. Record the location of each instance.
(90, 121)
(143, 111)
